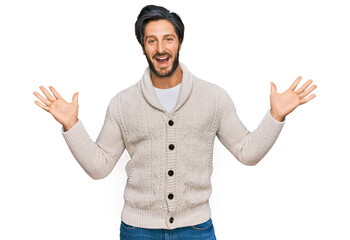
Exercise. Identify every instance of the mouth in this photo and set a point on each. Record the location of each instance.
(162, 60)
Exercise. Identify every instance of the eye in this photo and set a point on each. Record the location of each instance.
(169, 39)
(151, 41)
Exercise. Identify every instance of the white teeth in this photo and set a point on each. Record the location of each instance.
(162, 58)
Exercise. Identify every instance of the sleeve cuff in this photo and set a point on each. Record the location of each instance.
(270, 126)
(76, 136)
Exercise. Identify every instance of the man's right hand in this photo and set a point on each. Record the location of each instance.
(64, 112)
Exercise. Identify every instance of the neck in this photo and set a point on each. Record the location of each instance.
(167, 82)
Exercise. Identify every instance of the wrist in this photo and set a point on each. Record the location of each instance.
(276, 116)
(68, 126)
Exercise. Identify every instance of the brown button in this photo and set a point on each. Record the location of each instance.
(171, 220)
(170, 196)
(171, 122)
(170, 172)
(171, 146)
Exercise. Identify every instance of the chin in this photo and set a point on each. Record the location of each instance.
(164, 72)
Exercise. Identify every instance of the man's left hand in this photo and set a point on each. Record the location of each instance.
(284, 103)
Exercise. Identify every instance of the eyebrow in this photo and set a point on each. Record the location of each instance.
(167, 35)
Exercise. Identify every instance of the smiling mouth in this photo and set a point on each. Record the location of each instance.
(162, 59)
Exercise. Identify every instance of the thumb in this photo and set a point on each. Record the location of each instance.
(75, 97)
(273, 88)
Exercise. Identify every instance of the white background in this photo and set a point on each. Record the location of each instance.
(300, 190)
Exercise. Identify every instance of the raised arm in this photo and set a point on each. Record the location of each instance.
(96, 158)
(250, 147)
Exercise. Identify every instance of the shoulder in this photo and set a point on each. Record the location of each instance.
(125, 94)
(208, 87)
(209, 92)
(122, 98)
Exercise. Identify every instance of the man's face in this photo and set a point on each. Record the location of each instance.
(161, 47)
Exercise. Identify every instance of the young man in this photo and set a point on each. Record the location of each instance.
(167, 122)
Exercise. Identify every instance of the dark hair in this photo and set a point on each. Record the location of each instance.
(154, 13)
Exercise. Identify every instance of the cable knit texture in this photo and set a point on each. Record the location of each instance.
(170, 167)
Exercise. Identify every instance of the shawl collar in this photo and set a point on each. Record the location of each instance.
(151, 96)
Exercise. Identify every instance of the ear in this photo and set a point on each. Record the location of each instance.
(143, 50)
(180, 46)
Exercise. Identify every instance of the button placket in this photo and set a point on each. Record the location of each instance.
(171, 172)
(170, 189)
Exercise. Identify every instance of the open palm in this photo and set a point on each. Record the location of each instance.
(64, 112)
(284, 103)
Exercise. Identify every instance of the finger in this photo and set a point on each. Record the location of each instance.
(55, 93)
(75, 97)
(304, 86)
(273, 88)
(47, 94)
(308, 98)
(295, 83)
(44, 100)
(41, 105)
(308, 91)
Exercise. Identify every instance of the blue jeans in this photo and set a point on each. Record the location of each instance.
(203, 231)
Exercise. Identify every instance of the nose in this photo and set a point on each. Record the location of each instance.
(160, 47)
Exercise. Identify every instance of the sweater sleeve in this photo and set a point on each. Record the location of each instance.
(97, 158)
(248, 147)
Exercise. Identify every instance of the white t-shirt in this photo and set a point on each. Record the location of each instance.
(168, 97)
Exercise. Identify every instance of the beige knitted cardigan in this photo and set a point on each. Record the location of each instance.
(170, 167)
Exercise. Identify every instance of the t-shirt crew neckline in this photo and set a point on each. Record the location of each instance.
(167, 89)
(168, 96)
